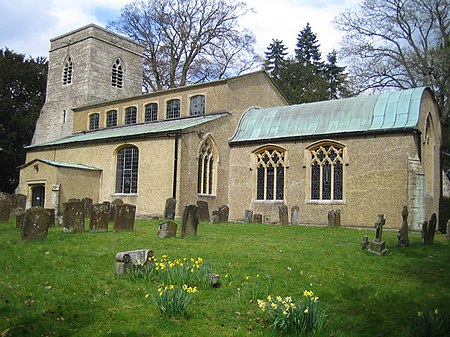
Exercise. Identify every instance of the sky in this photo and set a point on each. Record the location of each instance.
(26, 26)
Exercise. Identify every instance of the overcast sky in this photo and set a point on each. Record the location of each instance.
(26, 26)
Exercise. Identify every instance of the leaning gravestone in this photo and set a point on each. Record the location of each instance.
(5, 206)
(428, 230)
(169, 210)
(36, 223)
(87, 207)
(127, 261)
(124, 217)
(283, 214)
(203, 210)
(99, 218)
(73, 216)
(257, 218)
(377, 246)
(19, 203)
(190, 221)
(295, 215)
(334, 218)
(224, 212)
(248, 215)
(402, 236)
(167, 229)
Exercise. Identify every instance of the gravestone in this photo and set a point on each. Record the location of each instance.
(214, 218)
(190, 221)
(224, 212)
(127, 261)
(203, 210)
(169, 210)
(52, 216)
(19, 203)
(377, 246)
(167, 229)
(5, 206)
(35, 225)
(112, 209)
(248, 215)
(73, 216)
(87, 207)
(365, 242)
(448, 229)
(283, 214)
(295, 215)
(257, 218)
(334, 218)
(428, 230)
(124, 217)
(402, 236)
(99, 218)
(20, 220)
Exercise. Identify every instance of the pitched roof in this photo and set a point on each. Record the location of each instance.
(133, 131)
(376, 113)
(60, 164)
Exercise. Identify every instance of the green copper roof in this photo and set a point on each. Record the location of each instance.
(61, 164)
(132, 131)
(375, 113)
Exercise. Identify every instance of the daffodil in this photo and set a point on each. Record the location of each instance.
(436, 312)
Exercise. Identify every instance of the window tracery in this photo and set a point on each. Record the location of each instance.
(270, 173)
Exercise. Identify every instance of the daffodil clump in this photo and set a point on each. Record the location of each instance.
(174, 301)
(432, 323)
(299, 317)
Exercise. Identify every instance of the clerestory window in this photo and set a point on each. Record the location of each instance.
(130, 115)
(127, 170)
(327, 171)
(270, 173)
(173, 109)
(117, 74)
(94, 121)
(197, 105)
(151, 112)
(111, 118)
(207, 161)
(67, 71)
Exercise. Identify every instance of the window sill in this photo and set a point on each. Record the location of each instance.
(326, 202)
(207, 195)
(124, 195)
(269, 201)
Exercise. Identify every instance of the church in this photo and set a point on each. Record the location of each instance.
(234, 142)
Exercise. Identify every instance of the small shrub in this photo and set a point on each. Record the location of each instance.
(299, 318)
(430, 324)
(174, 301)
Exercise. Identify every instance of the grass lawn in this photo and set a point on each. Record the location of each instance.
(66, 285)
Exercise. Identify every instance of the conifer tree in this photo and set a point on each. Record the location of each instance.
(307, 46)
(275, 58)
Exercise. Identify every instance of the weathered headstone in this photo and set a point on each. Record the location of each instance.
(5, 206)
(20, 220)
(377, 246)
(248, 215)
(19, 202)
(73, 216)
(190, 221)
(428, 230)
(52, 220)
(99, 218)
(295, 215)
(257, 218)
(214, 218)
(167, 229)
(169, 210)
(124, 217)
(283, 214)
(87, 207)
(334, 218)
(402, 236)
(224, 212)
(127, 261)
(112, 209)
(365, 242)
(36, 223)
(203, 210)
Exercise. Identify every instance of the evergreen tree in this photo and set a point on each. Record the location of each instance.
(275, 58)
(307, 46)
(337, 79)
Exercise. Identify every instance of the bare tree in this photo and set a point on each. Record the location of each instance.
(399, 44)
(188, 41)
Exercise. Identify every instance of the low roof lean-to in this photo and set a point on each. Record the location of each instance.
(375, 113)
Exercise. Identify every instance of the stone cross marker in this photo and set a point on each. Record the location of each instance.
(167, 229)
(377, 246)
(402, 236)
(203, 210)
(169, 210)
(5, 206)
(124, 217)
(295, 215)
(99, 218)
(127, 261)
(35, 225)
(190, 221)
(73, 216)
(283, 213)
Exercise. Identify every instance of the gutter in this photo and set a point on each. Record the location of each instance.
(175, 167)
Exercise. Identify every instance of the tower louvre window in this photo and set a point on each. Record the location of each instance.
(67, 71)
(117, 74)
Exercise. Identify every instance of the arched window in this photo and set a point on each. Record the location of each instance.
(67, 70)
(207, 163)
(130, 115)
(197, 105)
(327, 171)
(111, 118)
(127, 170)
(117, 74)
(270, 173)
(151, 112)
(94, 121)
(428, 155)
(173, 109)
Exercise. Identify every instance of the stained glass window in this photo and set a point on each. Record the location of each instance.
(270, 174)
(127, 170)
(327, 172)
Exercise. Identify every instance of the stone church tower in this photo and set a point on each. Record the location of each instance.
(86, 66)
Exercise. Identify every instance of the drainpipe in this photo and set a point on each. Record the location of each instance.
(175, 168)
